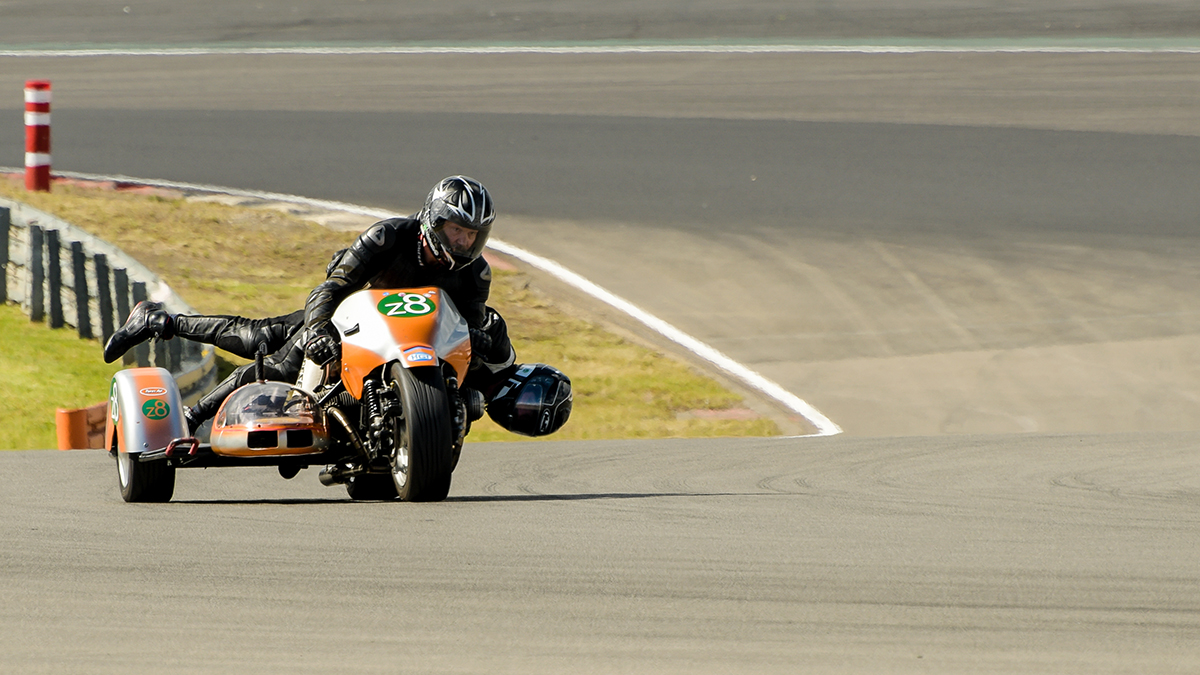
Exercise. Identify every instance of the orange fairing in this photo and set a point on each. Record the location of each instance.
(415, 327)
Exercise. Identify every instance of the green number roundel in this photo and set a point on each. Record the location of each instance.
(114, 410)
(156, 409)
(406, 304)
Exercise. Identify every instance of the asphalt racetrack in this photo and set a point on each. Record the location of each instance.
(980, 264)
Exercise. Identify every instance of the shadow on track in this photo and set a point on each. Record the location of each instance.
(214, 502)
(584, 497)
(468, 499)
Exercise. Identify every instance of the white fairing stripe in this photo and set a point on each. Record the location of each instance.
(34, 119)
(37, 159)
(373, 334)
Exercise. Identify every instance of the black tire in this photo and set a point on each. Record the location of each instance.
(371, 487)
(422, 458)
(144, 481)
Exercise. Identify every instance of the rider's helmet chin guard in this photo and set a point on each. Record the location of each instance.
(535, 401)
(465, 202)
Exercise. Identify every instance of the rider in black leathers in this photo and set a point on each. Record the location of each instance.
(439, 246)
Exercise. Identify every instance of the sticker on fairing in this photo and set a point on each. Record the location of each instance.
(156, 409)
(418, 355)
(406, 304)
(114, 410)
(153, 391)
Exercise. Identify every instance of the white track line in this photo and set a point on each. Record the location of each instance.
(1128, 48)
(824, 426)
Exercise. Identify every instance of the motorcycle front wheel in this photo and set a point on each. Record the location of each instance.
(423, 442)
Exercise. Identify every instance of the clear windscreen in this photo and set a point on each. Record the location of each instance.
(269, 403)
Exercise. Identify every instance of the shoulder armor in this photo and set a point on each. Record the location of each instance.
(379, 237)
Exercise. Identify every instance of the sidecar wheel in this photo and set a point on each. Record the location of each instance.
(144, 481)
(424, 444)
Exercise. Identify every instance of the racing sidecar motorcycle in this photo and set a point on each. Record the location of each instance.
(387, 420)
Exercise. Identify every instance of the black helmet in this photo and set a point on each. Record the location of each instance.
(535, 401)
(463, 201)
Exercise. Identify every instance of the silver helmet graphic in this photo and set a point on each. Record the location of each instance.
(464, 203)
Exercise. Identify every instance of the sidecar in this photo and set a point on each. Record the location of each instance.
(260, 424)
(269, 419)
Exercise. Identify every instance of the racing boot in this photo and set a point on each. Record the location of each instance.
(193, 421)
(147, 320)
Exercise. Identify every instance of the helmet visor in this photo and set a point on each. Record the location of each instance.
(464, 243)
(529, 410)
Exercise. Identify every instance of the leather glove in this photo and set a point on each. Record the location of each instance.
(335, 261)
(481, 343)
(321, 347)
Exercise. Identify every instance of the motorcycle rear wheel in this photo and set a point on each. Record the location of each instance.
(423, 447)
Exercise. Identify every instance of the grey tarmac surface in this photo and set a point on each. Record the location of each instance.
(1011, 553)
(165, 22)
(924, 246)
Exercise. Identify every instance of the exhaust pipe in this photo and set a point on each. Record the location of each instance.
(337, 474)
(355, 440)
(332, 475)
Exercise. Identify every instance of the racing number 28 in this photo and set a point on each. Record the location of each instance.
(408, 304)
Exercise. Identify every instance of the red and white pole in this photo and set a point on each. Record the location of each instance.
(37, 135)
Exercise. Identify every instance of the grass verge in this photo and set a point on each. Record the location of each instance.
(41, 369)
(256, 262)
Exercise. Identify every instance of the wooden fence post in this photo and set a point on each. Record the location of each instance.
(54, 278)
(5, 226)
(121, 294)
(174, 354)
(104, 303)
(83, 313)
(37, 275)
(160, 353)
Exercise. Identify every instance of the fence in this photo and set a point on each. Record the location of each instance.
(62, 275)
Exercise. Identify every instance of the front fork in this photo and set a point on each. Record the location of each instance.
(311, 376)
(380, 406)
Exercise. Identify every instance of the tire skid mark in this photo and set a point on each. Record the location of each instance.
(931, 298)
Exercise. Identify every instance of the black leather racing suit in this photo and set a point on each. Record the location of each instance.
(236, 334)
(387, 255)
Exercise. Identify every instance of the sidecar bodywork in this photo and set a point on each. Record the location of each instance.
(260, 424)
(265, 419)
